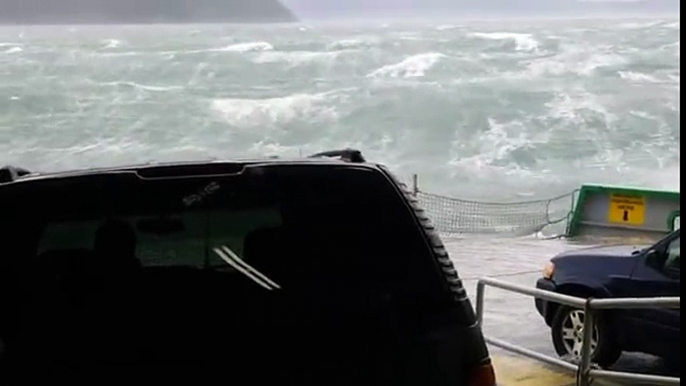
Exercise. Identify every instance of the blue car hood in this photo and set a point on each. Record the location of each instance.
(607, 251)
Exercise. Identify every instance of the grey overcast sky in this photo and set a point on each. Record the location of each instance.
(375, 8)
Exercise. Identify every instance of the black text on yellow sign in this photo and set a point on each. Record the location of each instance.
(627, 209)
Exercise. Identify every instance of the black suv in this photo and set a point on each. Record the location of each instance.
(320, 270)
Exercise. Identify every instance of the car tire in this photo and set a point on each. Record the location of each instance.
(567, 332)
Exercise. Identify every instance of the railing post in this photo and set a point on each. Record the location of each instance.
(480, 302)
(586, 351)
(415, 185)
(570, 215)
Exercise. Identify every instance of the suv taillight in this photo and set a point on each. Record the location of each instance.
(484, 375)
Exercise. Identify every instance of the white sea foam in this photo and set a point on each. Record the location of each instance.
(570, 107)
(643, 114)
(122, 54)
(265, 113)
(239, 48)
(638, 77)
(447, 27)
(345, 43)
(412, 67)
(523, 42)
(270, 148)
(140, 86)
(112, 43)
(580, 60)
(639, 25)
(666, 178)
(14, 50)
(491, 153)
(248, 47)
(675, 48)
(349, 44)
(296, 58)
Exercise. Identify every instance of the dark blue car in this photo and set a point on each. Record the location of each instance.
(615, 272)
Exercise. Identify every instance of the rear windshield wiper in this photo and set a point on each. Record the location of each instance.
(232, 259)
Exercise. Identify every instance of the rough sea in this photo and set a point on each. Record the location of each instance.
(490, 110)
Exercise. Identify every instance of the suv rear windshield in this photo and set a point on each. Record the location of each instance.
(344, 220)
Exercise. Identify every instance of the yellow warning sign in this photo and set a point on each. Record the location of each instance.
(627, 209)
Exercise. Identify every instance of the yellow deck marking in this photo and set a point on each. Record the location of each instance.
(515, 371)
(520, 371)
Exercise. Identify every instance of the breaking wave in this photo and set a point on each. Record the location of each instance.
(112, 43)
(14, 50)
(270, 112)
(347, 44)
(578, 60)
(248, 47)
(412, 67)
(523, 41)
(139, 86)
(296, 58)
(638, 77)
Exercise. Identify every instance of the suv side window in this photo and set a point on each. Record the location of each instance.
(673, 262)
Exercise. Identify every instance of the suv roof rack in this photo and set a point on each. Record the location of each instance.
(347, 155)
(11, 173)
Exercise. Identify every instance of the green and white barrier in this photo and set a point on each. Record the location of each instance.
(608, 211)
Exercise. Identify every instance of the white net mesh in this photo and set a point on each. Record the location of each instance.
(454, 216)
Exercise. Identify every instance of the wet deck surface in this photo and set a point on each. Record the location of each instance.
(513, 317)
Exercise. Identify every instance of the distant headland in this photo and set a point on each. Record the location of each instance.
(143, 11)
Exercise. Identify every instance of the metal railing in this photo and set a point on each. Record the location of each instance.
(584, 371)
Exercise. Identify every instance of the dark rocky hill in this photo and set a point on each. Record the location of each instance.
(142, 11)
